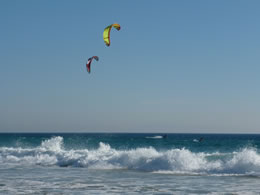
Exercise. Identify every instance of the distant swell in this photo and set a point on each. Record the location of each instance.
(181, 161)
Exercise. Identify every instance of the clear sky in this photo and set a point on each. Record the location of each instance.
(175, 66)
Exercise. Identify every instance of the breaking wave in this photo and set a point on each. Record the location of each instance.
(175, 161)
(154, 137)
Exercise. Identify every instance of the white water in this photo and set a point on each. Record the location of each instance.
(155, 137)
(174, 161)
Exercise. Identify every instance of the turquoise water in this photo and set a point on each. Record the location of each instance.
(103, 163)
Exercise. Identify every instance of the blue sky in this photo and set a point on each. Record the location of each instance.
(175, 66)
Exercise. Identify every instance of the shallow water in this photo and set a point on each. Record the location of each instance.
(57, 180)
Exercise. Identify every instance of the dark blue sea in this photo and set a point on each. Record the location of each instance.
(113, 163)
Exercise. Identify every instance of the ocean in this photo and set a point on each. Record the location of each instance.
(129, 163)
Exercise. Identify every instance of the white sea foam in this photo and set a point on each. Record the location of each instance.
(155, 137)
(178, 161)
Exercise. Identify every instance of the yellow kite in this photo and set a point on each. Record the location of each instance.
(106, 33)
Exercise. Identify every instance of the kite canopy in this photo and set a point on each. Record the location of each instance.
(89, 62)
(106, 33)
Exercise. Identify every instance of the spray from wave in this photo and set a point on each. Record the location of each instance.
(176, 161)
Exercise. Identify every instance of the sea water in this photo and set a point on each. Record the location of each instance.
(104, 163)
